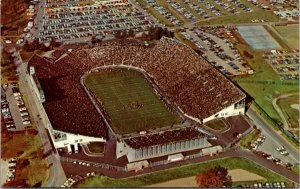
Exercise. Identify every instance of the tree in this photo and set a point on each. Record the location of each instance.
(247, 54)
(40, 153)
(27, 47)
(214, 178)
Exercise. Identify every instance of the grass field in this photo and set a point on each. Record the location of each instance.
(130, 101)
(182, 172)
(296, 169)
(217, 124)
(290, 33)
(263, 93)
(96, 147)
(290, 113)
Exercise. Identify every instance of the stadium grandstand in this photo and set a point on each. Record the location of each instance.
(195, 88)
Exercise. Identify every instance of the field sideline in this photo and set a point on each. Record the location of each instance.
(130, 101)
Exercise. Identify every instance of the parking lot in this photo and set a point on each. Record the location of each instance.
(285, 63)
(67, 21)
(271, 147)
(179, 11)
(16, 116)
(218, 49)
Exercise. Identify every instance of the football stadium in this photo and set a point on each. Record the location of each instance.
(152, 98)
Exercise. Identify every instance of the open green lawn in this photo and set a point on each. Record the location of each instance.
(290, 113)
(290, 33)
(216, 124)
(130, 101)
(296, 168)
(184, 171)
(263, 93)
(96, 147)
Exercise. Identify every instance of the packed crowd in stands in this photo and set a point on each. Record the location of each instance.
(186, 80)
(165, 137)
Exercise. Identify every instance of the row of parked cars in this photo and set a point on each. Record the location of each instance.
(182, 10)
(164, 12)
(275, 160)
(266, 185)
(241, 5)
(10, 175)
(227, 7)
(197, 9)
(211, 7)
(70, 181)
(22, 108)
(70, 25)
(254, 145)
(7, 117)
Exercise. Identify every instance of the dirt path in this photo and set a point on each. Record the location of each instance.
(182, 182)
(238, 175)
(279, 111)
(4, 169)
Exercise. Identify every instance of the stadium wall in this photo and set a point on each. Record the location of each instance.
(229, 111)
(38, 90)
(159, 150)
(72, 139)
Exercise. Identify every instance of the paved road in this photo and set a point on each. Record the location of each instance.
(277, 139)
(56, 176)
(39, 18)
(4, 169)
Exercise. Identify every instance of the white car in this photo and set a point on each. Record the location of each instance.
(280, 149)
(285, 153)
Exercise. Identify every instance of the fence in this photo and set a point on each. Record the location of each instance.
(277, 125)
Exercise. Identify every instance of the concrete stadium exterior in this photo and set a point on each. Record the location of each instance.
(137, 158)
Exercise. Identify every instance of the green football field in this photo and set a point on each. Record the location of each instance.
(130, 101)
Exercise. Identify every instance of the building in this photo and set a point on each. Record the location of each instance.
(72, 117)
